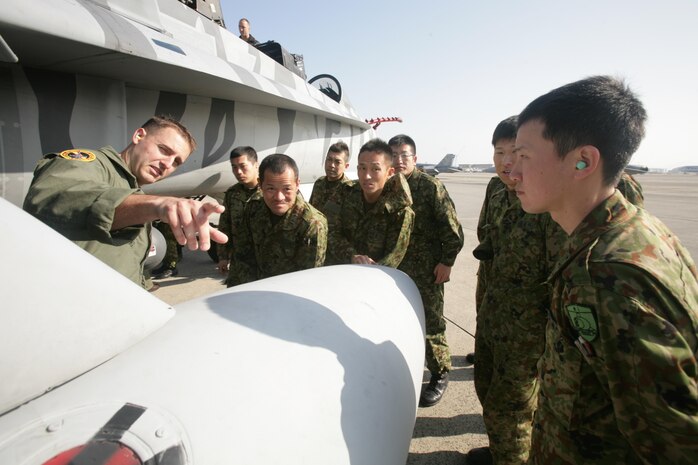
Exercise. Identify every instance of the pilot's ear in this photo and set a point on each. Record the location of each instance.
(138, 135)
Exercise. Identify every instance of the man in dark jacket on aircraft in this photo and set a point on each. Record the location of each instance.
(244, 27)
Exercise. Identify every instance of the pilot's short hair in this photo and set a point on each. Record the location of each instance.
(600, 111)
(340, 147)
(380, 146)
(162, 121)
(403, 139)
(237, 152)
(505, 130)
(277, 164)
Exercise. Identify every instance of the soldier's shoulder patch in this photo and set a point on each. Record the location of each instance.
(77, 155)
(583, 321)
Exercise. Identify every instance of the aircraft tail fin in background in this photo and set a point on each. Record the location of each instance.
(443, 166)
(446, 161)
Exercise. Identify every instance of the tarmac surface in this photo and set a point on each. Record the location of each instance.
(443, 434)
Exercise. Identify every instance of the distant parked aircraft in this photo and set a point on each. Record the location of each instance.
(685, 169)
(636, 169)
(444, 166)
(630, 169)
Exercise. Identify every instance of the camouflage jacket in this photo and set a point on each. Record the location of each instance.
(381, 231)
(517, 250)
(483, 252)
(234, 201)
(326, 193)
(77, 192)
(437, 235)
(620, 360)
(631, 189)
(269, 245)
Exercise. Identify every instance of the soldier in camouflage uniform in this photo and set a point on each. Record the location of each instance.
(173, 253)
(93, 197)
(627, 185)
(436, 239)
(376, 220)
(327, 188)
(515, 250)
(631, 189)
(619, 376)
(280, 232)
(243, 161)
(483, 252)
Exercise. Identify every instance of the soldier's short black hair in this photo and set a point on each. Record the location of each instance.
(380, 146)
(164, 121)
(340, 147)
(601, 111)
(402, 139)
(244, 150)
(505, 130)
(277, 164)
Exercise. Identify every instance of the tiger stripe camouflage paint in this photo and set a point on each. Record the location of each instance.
(91, 86)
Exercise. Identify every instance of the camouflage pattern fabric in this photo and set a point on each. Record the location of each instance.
(172, 247)
(619, 377)
(631, 190)
(327, 197)
(381, 230)
(437, 237)
(270, 245)
(484, 252)
(517, 249)
(230, 220)
(77, 197)
(326, 193)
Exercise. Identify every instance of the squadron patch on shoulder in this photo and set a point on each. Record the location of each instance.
(583, 321)
(77, 155)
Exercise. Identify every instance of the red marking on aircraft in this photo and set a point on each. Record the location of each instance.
(389, 119)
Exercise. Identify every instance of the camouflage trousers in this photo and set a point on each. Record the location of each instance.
(506, 382)
(437, 356)
(172, 252)
(553, 444)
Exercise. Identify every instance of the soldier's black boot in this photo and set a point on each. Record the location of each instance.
(166, 270)
(470, 358)
(479, 456)
(433, 393)
(166, 273)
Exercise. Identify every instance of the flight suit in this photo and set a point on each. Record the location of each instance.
(76, 192)
(270, 245)
(619, 377)
(437, 237)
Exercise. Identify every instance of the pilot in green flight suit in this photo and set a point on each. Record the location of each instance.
(93, 197)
